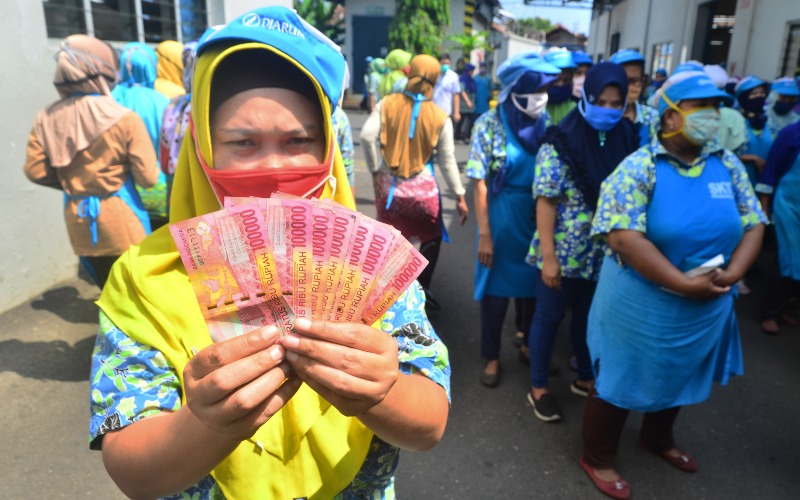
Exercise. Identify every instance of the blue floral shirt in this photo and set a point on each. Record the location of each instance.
(578, 255)
(344, 137)
(625, 194)
(130, 381)
(487, 150)
(648, 123)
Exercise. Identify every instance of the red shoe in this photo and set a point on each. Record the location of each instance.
(615, 489)
(683, 462)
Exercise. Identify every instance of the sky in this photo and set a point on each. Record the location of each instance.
(576, 20)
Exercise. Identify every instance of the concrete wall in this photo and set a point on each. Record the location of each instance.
(34, 251)
(757, 43)
(759, 36)
(510, 45)
(642, 24)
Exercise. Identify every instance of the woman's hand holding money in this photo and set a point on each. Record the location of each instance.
(355, 368)
(235, 386)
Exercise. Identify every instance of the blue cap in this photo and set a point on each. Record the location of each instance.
(785, 86)
(689, 66)
(748, 83)
(580, 57)
(561, 59)
(688, 85)
(627, 56)
(661, 71)
(512, 70)
(288, 33)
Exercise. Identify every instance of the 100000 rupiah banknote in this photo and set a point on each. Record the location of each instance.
(228, 258)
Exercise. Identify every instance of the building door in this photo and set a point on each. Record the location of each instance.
(713, 28)
(370, 38)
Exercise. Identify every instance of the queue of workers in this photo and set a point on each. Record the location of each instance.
(639, 207)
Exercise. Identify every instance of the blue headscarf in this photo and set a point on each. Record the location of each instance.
(135, 90)
(524, 74)
(528, 131)
(580, 147)
(138, 63)
(467, 80)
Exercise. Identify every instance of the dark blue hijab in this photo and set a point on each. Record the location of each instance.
(529, 132)
(467, 79)
(591, 155)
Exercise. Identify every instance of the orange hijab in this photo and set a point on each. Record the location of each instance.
(406, 156)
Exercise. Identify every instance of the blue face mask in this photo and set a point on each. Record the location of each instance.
(445, 68)
(599, 118)
(557, 95)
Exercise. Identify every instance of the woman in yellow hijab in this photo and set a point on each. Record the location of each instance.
(320, 413)
(170, 69)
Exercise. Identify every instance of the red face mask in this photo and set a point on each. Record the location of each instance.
(305, 182)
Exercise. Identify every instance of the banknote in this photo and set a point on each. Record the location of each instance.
(263, 261)
(230, 266)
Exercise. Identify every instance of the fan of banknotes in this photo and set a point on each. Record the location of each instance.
(265, 261)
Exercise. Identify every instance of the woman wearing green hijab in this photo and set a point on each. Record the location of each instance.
(398, 62)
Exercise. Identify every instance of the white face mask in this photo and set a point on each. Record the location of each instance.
(535, 103)
(577, 85)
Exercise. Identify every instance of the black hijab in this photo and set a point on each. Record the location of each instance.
(579, 145)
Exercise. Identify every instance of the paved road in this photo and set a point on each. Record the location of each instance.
(746, 438)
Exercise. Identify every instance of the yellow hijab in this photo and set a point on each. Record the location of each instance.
(170, 69)
(307, 449)
(407, 157)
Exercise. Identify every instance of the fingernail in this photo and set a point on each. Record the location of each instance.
(292, 356)
(276, 353)
(302, 324)
(269, 332)
(290, 341)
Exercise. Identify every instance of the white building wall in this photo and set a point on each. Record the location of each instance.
(758, 41)
(35, 250)
(759, 36)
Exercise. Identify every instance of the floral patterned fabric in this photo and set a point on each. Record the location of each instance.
(487, 151)
(130, 381)
(625, 194)
(578, 255)
(344, 137)
(648, 123)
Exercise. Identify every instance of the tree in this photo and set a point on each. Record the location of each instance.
(530, 26)
(467, 43)
(419, 26)
(323, 16)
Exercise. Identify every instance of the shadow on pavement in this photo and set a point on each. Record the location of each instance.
(54, 360)
(66, 303)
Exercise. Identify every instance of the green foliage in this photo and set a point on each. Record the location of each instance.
(530, 26)
(320, 14)
(467, 43)
(419, 26)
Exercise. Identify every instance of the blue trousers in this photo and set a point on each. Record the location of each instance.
(493, 313)
(551, 307)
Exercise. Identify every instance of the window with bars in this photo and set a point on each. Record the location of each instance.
(791, 57)
(151, 21)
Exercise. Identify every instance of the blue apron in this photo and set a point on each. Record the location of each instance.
(652, 349)
(757, 144)
(786, 210)
(512, 225)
